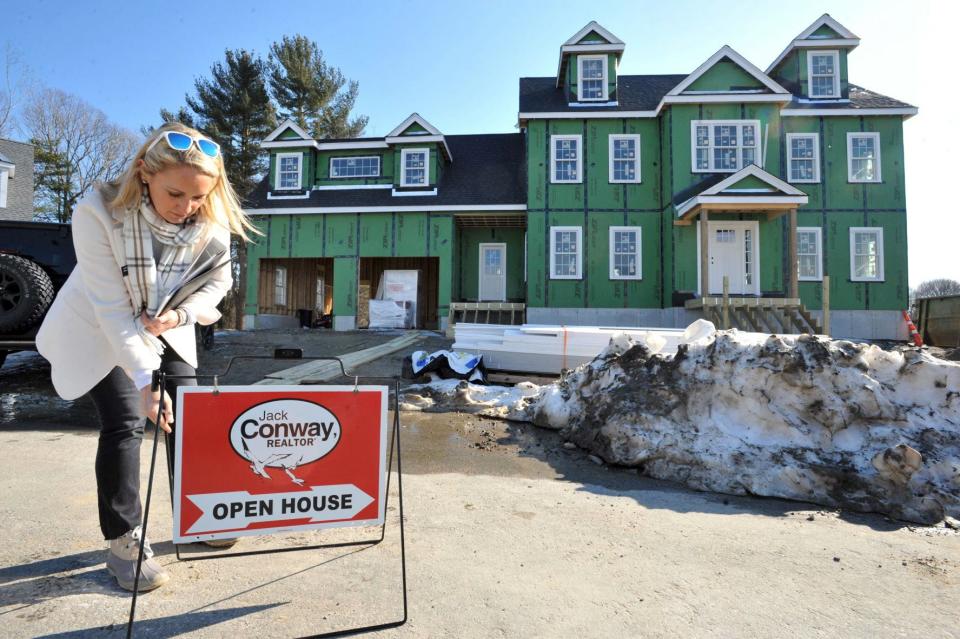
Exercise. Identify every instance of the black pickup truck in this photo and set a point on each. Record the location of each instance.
(35, 260)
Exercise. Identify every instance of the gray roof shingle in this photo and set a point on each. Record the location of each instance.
(486, 169)
(634, 93)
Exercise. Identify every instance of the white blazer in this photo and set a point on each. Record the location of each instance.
(91, 326)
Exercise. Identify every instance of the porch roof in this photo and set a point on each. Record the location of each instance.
(749, 189)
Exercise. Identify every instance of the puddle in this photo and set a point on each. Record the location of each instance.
(28, 401)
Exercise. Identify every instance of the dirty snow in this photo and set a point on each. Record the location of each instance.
(799, 417)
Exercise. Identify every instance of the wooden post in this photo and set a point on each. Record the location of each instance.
(826, 304)
(704, 256)
(726, 302)
(794, 288)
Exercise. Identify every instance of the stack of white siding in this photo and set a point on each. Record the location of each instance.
(535, 348)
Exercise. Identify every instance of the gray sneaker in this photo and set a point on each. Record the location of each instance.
(122, 563)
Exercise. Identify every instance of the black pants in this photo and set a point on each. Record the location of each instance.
(118, 451)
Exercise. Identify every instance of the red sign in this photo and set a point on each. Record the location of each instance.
(253, 460)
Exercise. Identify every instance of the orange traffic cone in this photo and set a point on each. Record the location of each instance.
(914, 335)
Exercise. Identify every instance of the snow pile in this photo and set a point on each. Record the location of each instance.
(505, 402)
(807, 418)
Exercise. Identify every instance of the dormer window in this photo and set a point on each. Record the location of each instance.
(413, 167)
(823, 71)
(592, 77)
(289, 171)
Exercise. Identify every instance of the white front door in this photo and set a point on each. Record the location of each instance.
(733, 253)
(493, 273)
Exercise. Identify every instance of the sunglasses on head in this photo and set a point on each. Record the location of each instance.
(181, 142)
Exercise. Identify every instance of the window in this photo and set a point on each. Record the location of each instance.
(803, 164)
(289, 170)
(355, 167)
(866, 254)
(748, 257)
(809, 249)
(592, 77)
(565, 158)
(724, 146)
(280, 286)
(565, 252)
(863, 157)
(823, 71)
(414, 167)
(624, 158)
(625, 253)
(4, 174)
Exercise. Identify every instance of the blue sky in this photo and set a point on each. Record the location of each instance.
(458, 63)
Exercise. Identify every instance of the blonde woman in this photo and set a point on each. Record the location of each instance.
(105, 334)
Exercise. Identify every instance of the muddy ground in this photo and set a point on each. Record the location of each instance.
(509, 532)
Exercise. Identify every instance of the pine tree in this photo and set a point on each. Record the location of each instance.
(316, 96)
(233, 107)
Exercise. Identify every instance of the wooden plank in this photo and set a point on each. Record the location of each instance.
(793, 288)
(704, 254)
(321, 371)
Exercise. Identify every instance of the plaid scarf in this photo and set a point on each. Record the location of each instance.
(149, 280)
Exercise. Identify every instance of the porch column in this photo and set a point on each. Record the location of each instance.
(704, 257)
(793, 289)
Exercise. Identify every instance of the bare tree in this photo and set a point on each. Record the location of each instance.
(14, 82)
(76, 146)
(937, 288)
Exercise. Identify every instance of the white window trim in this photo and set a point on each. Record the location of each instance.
(4, 176)
(280, 291)
(604, 95)
(866, 229)
(353, 157)
(758, 147)
(836, 75)
(553, 158)
(639, 253)
(553, 243)
(276, 177)
(819, 233)
(403, 166)
(623, 136)
(876, 146)
(816, 157)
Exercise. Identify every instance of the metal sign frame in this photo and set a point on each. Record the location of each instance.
(160, 381)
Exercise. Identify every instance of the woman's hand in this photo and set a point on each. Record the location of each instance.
(150, 404)
(161, 323)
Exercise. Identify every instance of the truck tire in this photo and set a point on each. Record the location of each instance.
(26, 293)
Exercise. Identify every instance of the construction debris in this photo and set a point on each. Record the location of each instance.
(799, 417)
(535, 348)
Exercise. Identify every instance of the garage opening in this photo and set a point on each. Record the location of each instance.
(371, 272)
(296, 287)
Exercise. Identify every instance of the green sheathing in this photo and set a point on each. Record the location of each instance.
(289, 134)
(750, 182)
(725, 75)
(348, 237)
(682, 254)
(593, 38)
(468, 248)
(792, 72)
(823, 31)
(594, 205)
(434, 163)
(309, 163)
(415, 128)
(387, 164)
(573, 70)
(836, 205)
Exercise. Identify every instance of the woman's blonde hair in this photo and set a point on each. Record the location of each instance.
(221, 206)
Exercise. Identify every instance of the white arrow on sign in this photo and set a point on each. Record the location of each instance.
(223, 511)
